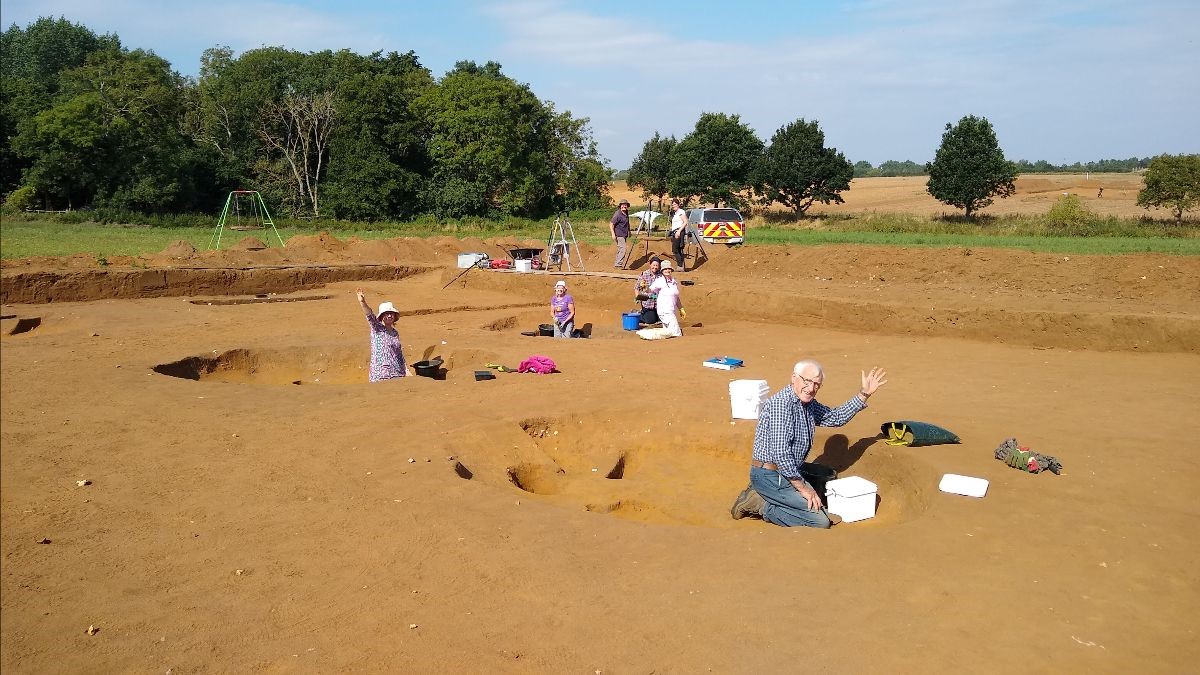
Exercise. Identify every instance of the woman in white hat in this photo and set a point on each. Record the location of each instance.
(666, 291)
(562, 308)
(387, 355)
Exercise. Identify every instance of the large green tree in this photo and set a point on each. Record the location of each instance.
(969, 168)
(798, 170)
(1172, 181)
(488, 141)
(378, 162)
(651, 169)
(717, 161)
(31, 60)
(579, 172)
(111, 136)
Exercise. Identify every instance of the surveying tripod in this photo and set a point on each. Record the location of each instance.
(645, 230)
(693, 246)
(561, 242)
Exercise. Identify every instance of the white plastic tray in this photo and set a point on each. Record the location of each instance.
(966, 486)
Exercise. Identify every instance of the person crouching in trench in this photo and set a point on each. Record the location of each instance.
(562, 308)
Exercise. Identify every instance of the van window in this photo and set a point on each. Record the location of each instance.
(721, 215)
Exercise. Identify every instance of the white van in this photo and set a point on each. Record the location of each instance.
(717, 225)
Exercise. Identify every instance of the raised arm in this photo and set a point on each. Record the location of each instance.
(362, 300)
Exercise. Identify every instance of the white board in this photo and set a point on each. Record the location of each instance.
(966, 486)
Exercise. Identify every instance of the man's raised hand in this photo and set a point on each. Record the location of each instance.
(873, 380)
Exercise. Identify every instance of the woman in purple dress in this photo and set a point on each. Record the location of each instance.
(387, 355)
(562, 308)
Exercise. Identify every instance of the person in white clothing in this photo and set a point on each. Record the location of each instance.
(670, 306)
(679, 223)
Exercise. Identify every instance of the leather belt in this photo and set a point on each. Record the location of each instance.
(764, 465)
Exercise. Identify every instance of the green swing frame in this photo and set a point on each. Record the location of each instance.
(257, 210)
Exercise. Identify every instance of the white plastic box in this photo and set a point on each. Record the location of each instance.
(746, 398)
(967, 486)
(523, 265)
(852, 498)
(466, 260)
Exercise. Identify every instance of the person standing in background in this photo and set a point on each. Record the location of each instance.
(619, 227)
(679, 223)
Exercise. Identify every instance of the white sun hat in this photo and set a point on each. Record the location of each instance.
(387, 307)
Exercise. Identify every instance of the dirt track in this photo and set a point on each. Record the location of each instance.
(579, 521)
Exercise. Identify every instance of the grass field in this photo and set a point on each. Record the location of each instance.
(887, 211)
(25, 239)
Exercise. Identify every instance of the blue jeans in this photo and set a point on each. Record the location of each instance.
(564, 330)
(785, 506)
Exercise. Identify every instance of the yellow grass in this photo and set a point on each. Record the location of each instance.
(1035, 194)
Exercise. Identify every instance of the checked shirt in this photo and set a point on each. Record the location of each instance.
(784, 434)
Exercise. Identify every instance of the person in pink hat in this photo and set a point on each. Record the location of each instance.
(387, 354)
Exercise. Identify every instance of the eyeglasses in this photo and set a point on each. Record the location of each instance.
(809, 383)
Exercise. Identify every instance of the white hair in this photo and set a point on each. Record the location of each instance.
(803, 365)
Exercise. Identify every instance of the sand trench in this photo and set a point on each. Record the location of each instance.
(579, 521)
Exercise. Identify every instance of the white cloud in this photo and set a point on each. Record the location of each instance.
(184, 29)
(892, 74)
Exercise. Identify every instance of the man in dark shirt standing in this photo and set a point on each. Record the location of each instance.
(782, 439)
(619, 226)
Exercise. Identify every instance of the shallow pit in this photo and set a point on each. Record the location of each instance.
(688, 479)
(283, 367)
(308, 365)
(21, 325)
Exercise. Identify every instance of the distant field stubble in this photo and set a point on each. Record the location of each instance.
(1035, 195)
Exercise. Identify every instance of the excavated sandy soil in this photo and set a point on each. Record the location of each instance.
(255, 505)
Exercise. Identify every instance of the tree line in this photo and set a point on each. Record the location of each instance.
(864, 169)
(86, 122)
(722, 161)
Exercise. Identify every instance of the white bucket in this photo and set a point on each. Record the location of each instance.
(746, 397)
(523, 265)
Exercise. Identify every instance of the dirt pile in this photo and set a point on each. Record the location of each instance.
(323, 246)
(249, 243)
(178, 249)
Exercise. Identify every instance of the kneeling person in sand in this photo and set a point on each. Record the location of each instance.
(669, 305)
(778, 493)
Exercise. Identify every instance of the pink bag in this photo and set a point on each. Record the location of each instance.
(537, 364)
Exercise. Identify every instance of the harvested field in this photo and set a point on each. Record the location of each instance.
(1036, 193)
(255, 505)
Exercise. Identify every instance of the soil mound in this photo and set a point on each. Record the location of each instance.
(179, 249)
(371, 251)
(315, 245)
(415, 249)
(249, 243)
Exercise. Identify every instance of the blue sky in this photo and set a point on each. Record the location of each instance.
(1060, 80)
